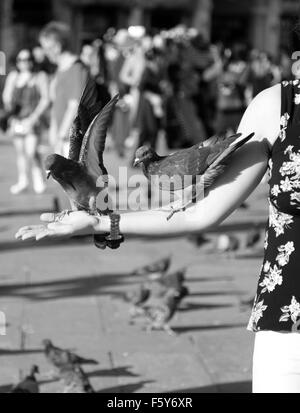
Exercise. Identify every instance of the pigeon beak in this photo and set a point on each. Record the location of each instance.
(48, 174)
(136, 162)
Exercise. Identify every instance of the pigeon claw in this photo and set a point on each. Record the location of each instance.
(174, 211)
(59, 217)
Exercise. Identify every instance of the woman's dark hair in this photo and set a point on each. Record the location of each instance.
(61, 32)
(31, 59)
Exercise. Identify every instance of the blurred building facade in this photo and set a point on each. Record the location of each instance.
(265, 24)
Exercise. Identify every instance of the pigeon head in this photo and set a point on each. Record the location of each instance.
(145, 155)
(56, 166)
(47, 343)
(34, 370)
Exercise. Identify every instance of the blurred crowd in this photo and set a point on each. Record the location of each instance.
(172, 84)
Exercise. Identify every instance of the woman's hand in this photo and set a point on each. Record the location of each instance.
(70, 225)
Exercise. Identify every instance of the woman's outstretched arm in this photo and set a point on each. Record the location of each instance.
(246, 169)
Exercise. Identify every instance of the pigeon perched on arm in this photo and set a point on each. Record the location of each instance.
(61, 358)
(79, 174)
(29, 384)
(83, 175)
(180, 170)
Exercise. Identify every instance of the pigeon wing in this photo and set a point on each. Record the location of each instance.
(93, 145)
(218, 163)
(174, 170)
(217, 139)
(88, 108)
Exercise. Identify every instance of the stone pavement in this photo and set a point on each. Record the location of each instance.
(72, 294)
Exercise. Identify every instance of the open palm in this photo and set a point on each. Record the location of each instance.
(72, 224)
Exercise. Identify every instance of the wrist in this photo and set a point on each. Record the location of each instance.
(102, 225)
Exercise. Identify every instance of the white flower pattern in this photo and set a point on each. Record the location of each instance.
(272, 279)
(256, 315)
(279, 220)
(297, 99)
(291, 311)
(279, 248)
(285, 252)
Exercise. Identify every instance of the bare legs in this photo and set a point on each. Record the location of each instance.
(28, 160)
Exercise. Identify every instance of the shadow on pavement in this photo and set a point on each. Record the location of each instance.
(202, 279)
(126, 388)
(19, 245)
(5, 388)
(8, 352)
(76, 287)
(238, 387)
(188, 329)
(213, 293)
(193, 306)
(115, 372)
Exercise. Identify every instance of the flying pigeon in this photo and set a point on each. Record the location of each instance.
(29, 384)
(62, 358)
(199, 164)
(83, 175)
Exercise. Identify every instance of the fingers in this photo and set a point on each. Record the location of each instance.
(40, 232)
(48, 217)
(24, 230)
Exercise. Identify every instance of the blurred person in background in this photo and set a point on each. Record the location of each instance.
(132, 71)
(150, 109)
(231, 102)
(262, 73)
(285, 65)
(207, 63)
(67, 85)
(26, 99)
(117, 51)
(93, 57)
(42, 62)
(184, 126)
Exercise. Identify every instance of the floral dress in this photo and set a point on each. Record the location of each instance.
(277, 302)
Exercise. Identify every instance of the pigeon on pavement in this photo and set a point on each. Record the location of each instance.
(75, 380)
(61, 358)
(29, 384)
(137, 297)
(160, 314)
(160, 266)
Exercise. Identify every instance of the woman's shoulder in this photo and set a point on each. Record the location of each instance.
(263, 115)
(12, 75)
(270, 96)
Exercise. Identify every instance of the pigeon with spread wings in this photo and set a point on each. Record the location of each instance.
(186, 169)
(83, 175)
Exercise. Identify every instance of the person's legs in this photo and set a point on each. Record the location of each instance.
(22, 166)
(276, 362)
(31, 144)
